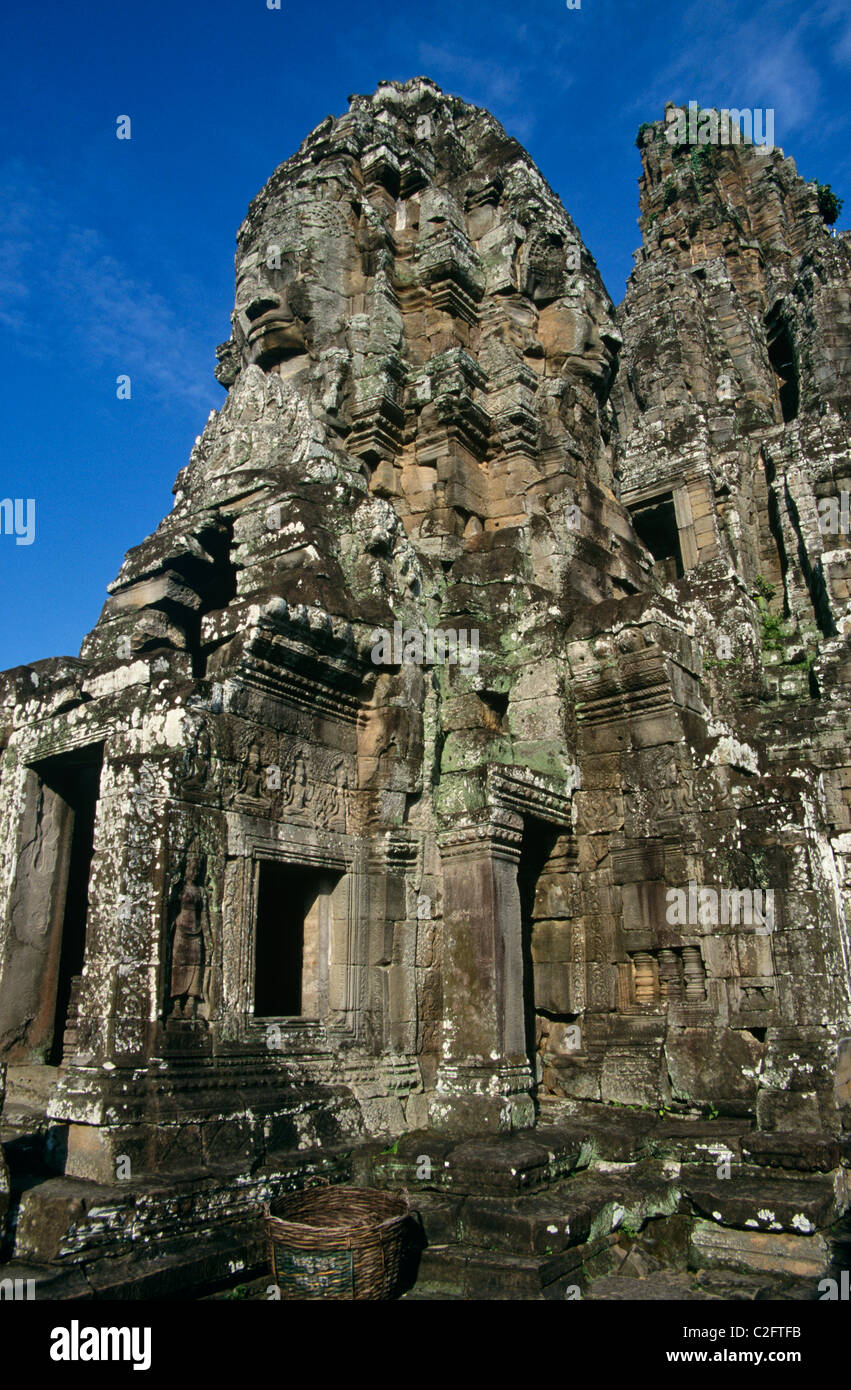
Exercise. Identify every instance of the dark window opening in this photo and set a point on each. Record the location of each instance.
(217, 584)
(539, 842)
(782, 359)
(75, 777)
(214, 583)
(287, 941)
(655, 523)
(495, 703)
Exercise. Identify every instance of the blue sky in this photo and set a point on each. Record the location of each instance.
(117, 256)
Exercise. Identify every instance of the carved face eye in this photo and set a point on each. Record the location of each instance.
(247, 289)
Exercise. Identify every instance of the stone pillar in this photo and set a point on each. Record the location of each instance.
(121, 991)
(393, 995)
(646, 978)
(670, 981)
(694, 975)
(484, 1078)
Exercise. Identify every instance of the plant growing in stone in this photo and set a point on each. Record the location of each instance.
(829, 205)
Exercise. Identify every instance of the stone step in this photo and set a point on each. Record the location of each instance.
(493, 1165)
(792, 1151)
(728, 1285)
(178, 1267)
(734, 1285)
(468, 1273)
(582, 1208)
(657, 1287)
(776, 1253)
(537, 1160)
(30, 1084)
(535, 1245)
(623, 1134)
(416, 1296)
(513, 1217)
(797, 1205)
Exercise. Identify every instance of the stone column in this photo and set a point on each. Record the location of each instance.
(694, 975)
(670, 981)
(119, 994)
(484, 1079)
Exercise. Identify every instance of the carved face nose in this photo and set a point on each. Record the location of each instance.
(261, 305)
(592, 339)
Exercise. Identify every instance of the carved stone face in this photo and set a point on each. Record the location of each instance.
(576, 324)
(580, 337)
(267, 325)
(193, 870)
(309, 260)
(293, 281)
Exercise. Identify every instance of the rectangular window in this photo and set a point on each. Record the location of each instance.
(291, 945)
(655, 522)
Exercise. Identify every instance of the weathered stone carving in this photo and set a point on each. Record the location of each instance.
(226, 823)
(295, 795)
(198, 762)
(189, 962)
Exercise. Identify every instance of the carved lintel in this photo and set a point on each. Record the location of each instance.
(523, 792)
(501, 834)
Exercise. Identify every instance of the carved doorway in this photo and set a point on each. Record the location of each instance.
(545, 974)
(49, 908)
(76, 779)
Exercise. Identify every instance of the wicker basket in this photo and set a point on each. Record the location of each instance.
(337, 1242)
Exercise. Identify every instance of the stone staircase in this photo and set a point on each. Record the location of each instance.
(618, 1205)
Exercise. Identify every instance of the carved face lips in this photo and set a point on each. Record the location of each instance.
(273, 334)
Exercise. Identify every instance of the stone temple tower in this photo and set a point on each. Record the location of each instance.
(468, 747)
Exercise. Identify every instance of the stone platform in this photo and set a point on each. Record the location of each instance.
(610, 1203)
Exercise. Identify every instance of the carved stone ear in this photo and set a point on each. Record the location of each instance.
(228, 363)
